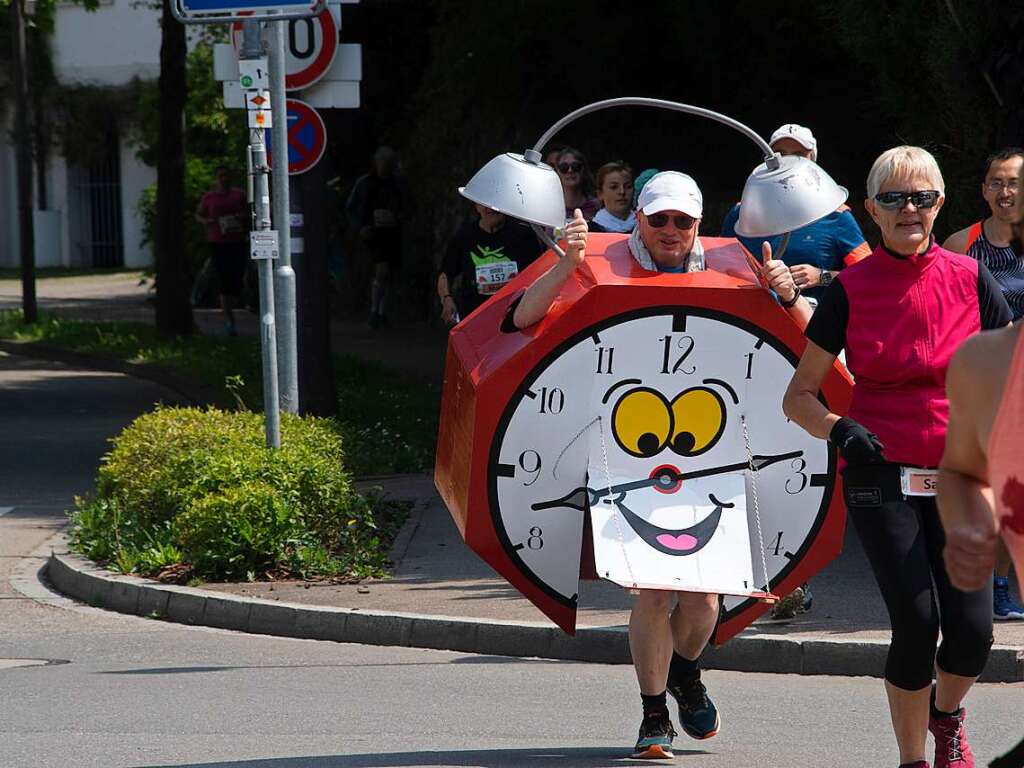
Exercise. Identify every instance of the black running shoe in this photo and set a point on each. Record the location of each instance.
(655, 739)
(698, 715)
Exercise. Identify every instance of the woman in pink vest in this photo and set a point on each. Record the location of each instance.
(900, 314)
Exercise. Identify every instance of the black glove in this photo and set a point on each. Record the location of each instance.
(855, 443)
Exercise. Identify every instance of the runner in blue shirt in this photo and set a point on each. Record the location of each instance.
(817, 252)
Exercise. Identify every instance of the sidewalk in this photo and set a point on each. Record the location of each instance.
(122, 297)
(442, 595)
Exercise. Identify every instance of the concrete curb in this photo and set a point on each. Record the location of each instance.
(81, 579)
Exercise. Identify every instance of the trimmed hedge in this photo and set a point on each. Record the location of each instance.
(198, 490)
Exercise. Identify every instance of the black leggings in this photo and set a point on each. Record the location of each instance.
(903, 540)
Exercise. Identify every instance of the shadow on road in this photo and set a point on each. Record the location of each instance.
(582, 757)
(389, 665)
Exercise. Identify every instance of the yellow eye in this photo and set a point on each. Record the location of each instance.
(641, 422)
(698, 417)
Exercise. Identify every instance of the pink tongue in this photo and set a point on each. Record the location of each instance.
(682, 542)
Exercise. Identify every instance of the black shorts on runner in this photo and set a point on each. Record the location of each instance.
(230, 261)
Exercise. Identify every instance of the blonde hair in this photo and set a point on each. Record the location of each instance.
(907, 162)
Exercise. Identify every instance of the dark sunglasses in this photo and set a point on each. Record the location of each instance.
(682, 221)
(895, 201)
(570, 167)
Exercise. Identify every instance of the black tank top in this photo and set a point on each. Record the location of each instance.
(1006, 267)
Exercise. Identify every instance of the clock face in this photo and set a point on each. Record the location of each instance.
(671, 398)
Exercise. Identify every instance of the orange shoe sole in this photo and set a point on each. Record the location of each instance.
(653, 752)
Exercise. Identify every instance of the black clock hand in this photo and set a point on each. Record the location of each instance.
(577, 498)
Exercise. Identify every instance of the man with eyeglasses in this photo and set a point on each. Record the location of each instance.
(665, 239)
(991, 241)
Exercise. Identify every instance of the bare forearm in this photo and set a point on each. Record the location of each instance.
(801, 312)
(806, 409)
(963, 500)
(541, 295)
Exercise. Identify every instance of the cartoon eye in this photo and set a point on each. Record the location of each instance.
(698, 418)
(642, 422)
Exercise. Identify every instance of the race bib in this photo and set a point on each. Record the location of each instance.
(919, 482)
(491, 277)
(230, 224)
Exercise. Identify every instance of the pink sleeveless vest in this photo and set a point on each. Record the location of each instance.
(907, 318)
(1006, 460)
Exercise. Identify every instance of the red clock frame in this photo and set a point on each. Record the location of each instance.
(485, 366)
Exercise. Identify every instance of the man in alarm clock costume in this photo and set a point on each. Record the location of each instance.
(668, 630)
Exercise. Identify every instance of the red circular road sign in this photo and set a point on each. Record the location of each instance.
(307, 138)
(310, 47)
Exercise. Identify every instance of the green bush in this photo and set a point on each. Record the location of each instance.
(199, 487)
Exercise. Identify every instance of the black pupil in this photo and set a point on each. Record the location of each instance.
(648, 444)
(683, 442)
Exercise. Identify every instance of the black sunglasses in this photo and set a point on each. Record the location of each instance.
(895, 201)
(570, 167)
(682, 221)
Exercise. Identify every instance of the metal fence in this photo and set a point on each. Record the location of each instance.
(95, 211)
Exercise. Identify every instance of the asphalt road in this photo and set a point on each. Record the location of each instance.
(130, 692)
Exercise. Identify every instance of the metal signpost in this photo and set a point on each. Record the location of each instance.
(257, 76)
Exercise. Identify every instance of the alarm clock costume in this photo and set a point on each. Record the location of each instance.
(900, 317)
(701, 346)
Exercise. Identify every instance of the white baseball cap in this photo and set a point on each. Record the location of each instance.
(797, 133)
(671, 191)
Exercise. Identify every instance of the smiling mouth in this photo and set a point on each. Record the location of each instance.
(676, 542)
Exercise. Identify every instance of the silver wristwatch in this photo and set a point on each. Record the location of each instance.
(826, 278)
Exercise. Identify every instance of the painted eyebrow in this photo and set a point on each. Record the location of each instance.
(726, 386)
(616, 385)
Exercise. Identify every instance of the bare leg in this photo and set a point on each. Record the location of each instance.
(650, 639)
(950, 690)
(693, 621)
(227, 305)
(909, 712)
(1003, 562)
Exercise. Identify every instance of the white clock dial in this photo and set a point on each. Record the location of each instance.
(670, 388)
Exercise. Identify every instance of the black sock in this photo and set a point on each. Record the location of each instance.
(682, 669)
(654, 705)
(936, 713)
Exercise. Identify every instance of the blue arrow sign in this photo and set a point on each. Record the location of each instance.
(233, 6)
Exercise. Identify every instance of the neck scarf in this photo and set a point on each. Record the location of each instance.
(613, 223)
(694, 259)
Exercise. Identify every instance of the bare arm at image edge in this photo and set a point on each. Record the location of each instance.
(964, 497)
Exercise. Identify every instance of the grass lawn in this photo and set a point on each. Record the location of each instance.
(388, 419)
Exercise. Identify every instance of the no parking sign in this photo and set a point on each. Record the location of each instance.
(307, 138)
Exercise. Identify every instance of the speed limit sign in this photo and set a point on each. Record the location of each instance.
(310, 47)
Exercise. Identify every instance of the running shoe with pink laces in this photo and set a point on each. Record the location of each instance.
(951, 747)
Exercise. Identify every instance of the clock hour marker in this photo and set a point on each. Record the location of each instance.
(506, 470)
(819, 480)
(679, 322)
(596, 338)
(788, 555)
(759, 344)
(531, 394)
(518, 546)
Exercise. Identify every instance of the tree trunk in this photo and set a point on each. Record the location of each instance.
(23, 140)
(173, 311)
(317, 393)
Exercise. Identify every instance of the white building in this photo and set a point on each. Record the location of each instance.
(92, 218)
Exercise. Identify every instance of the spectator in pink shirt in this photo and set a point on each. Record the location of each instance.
(223, 210)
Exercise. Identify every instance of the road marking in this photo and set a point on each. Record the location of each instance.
(5, 510)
